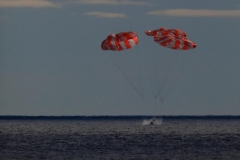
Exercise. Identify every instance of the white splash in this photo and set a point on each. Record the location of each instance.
(152, 121)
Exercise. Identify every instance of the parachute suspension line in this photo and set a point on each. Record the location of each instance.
(152, 58)
(168, 75)
(157, 80)
(149, 69)
(156, 75)
(160, 105)
(140, 66)
(155, 108)
(149, 77)
(126, 77)
(180, 73)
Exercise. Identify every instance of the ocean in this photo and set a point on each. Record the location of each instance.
(120, 138)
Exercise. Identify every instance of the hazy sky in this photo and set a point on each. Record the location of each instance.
(51, 62)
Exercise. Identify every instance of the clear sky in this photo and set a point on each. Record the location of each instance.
(51, 62)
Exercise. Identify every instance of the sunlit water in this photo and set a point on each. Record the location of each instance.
(170, 139)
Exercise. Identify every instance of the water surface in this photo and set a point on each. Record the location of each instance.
(199, 138)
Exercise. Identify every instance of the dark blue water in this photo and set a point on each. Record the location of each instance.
(174, 138)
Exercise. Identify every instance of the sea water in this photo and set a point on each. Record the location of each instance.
(177, 138)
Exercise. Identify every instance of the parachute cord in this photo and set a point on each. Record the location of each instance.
(176, 80)
(149, 78)
(164, 83)
(126, 78)
(161, 105)
(151, 81)
(155, 108)
(140, 66)
(155, 69)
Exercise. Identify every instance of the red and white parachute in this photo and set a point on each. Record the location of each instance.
(120, 41)
(174, 39)
(166, 78)
(163, 31)
(171, 38)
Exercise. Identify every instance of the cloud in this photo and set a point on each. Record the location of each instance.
(48, 3)
(109, 2)
(28, 3)
(106, 15)
(196, 13)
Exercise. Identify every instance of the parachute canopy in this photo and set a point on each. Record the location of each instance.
(171, 38)
(120, 41)
(163, 31)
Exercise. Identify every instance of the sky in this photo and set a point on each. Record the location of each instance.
(51, 61)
